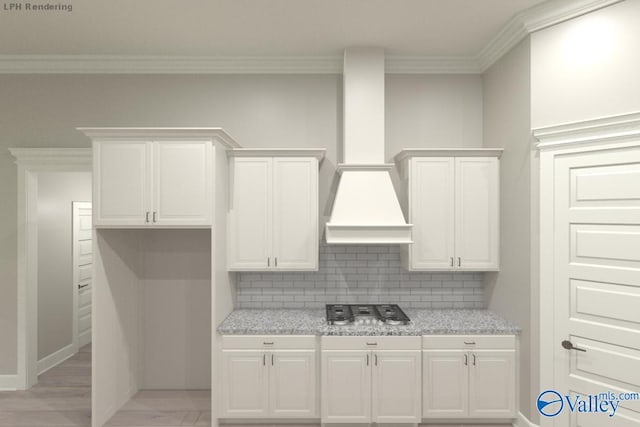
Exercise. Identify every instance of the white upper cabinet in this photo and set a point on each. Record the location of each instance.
(273, 221)
(453, 204)
(121, 182)
(154, 177)
(477, 213)
(182, 182)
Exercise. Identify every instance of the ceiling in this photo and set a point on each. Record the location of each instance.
(435, 30)
(258, 27)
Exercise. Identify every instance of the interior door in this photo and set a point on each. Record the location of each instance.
(292, 383)
(477, 213)
(245, 381)
(597, 280)
(346, 386)
(82, 268)
(182, 183)
(396, 386)
(445, 383)
(295, 213)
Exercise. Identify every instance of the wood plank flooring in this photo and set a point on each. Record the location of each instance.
(62, 398)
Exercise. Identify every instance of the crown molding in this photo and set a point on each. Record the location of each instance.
(130, 64)
(318, 153)
(518, 28)
(601, 130)
(39, 157)
(407, 153)
(213, 133)
(534, 19)
(431, 65)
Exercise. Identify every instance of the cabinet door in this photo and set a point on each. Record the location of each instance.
(431, 209)
(182, 183)
(250, 214)
(346, 386)
(121, 183)
(295, 213)
(292, 384)
(244, 384)
(492, 384)
(396, 386)
(477, 213)
(445, 385)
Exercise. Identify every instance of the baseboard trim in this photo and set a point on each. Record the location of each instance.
(523, 421)
(9, 382)
(55, 359)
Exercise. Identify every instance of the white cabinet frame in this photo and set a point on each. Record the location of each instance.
(273, 220)
(453, 202)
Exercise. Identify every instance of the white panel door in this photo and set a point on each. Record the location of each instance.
(396, 386)
(182, 183)
(477, 213)
(82, 270)
(346, 386)
(432, 213)
(122, 183)
(245, 384)
(445, 385)
(597, 279)
(492, 384)
(295, 213)
(250, 214)
(292, 384)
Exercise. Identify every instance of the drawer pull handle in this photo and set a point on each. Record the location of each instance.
(470, 342)
(372, 343)
(267, 343)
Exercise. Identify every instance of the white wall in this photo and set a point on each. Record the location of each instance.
(588, 67)
(56, 192)
(507, 125)
(258, 110)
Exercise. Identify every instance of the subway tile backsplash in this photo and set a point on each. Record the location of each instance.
(359, 274)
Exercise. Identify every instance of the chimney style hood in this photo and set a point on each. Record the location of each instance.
(366, 209)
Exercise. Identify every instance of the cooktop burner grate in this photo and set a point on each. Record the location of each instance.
(366, 314)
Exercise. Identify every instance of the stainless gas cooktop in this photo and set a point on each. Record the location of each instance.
(366, 314)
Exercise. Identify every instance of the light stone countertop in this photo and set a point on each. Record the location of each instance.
(313, 322)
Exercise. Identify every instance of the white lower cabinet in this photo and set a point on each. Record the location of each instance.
(371, 379)
(469, 377)
(267, 377)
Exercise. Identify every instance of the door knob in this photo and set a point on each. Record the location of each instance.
(568, 345)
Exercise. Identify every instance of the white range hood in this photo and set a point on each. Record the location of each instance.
(366, 208)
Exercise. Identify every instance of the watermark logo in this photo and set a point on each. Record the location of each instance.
(550, 403)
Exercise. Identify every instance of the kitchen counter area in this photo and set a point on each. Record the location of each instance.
(313, 322)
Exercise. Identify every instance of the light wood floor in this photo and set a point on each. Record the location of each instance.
(62, 398)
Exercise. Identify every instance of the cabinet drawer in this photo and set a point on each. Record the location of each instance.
(370, 343)
(299, 342)
(470, 342)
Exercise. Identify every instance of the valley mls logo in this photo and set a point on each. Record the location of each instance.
(550, 403)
